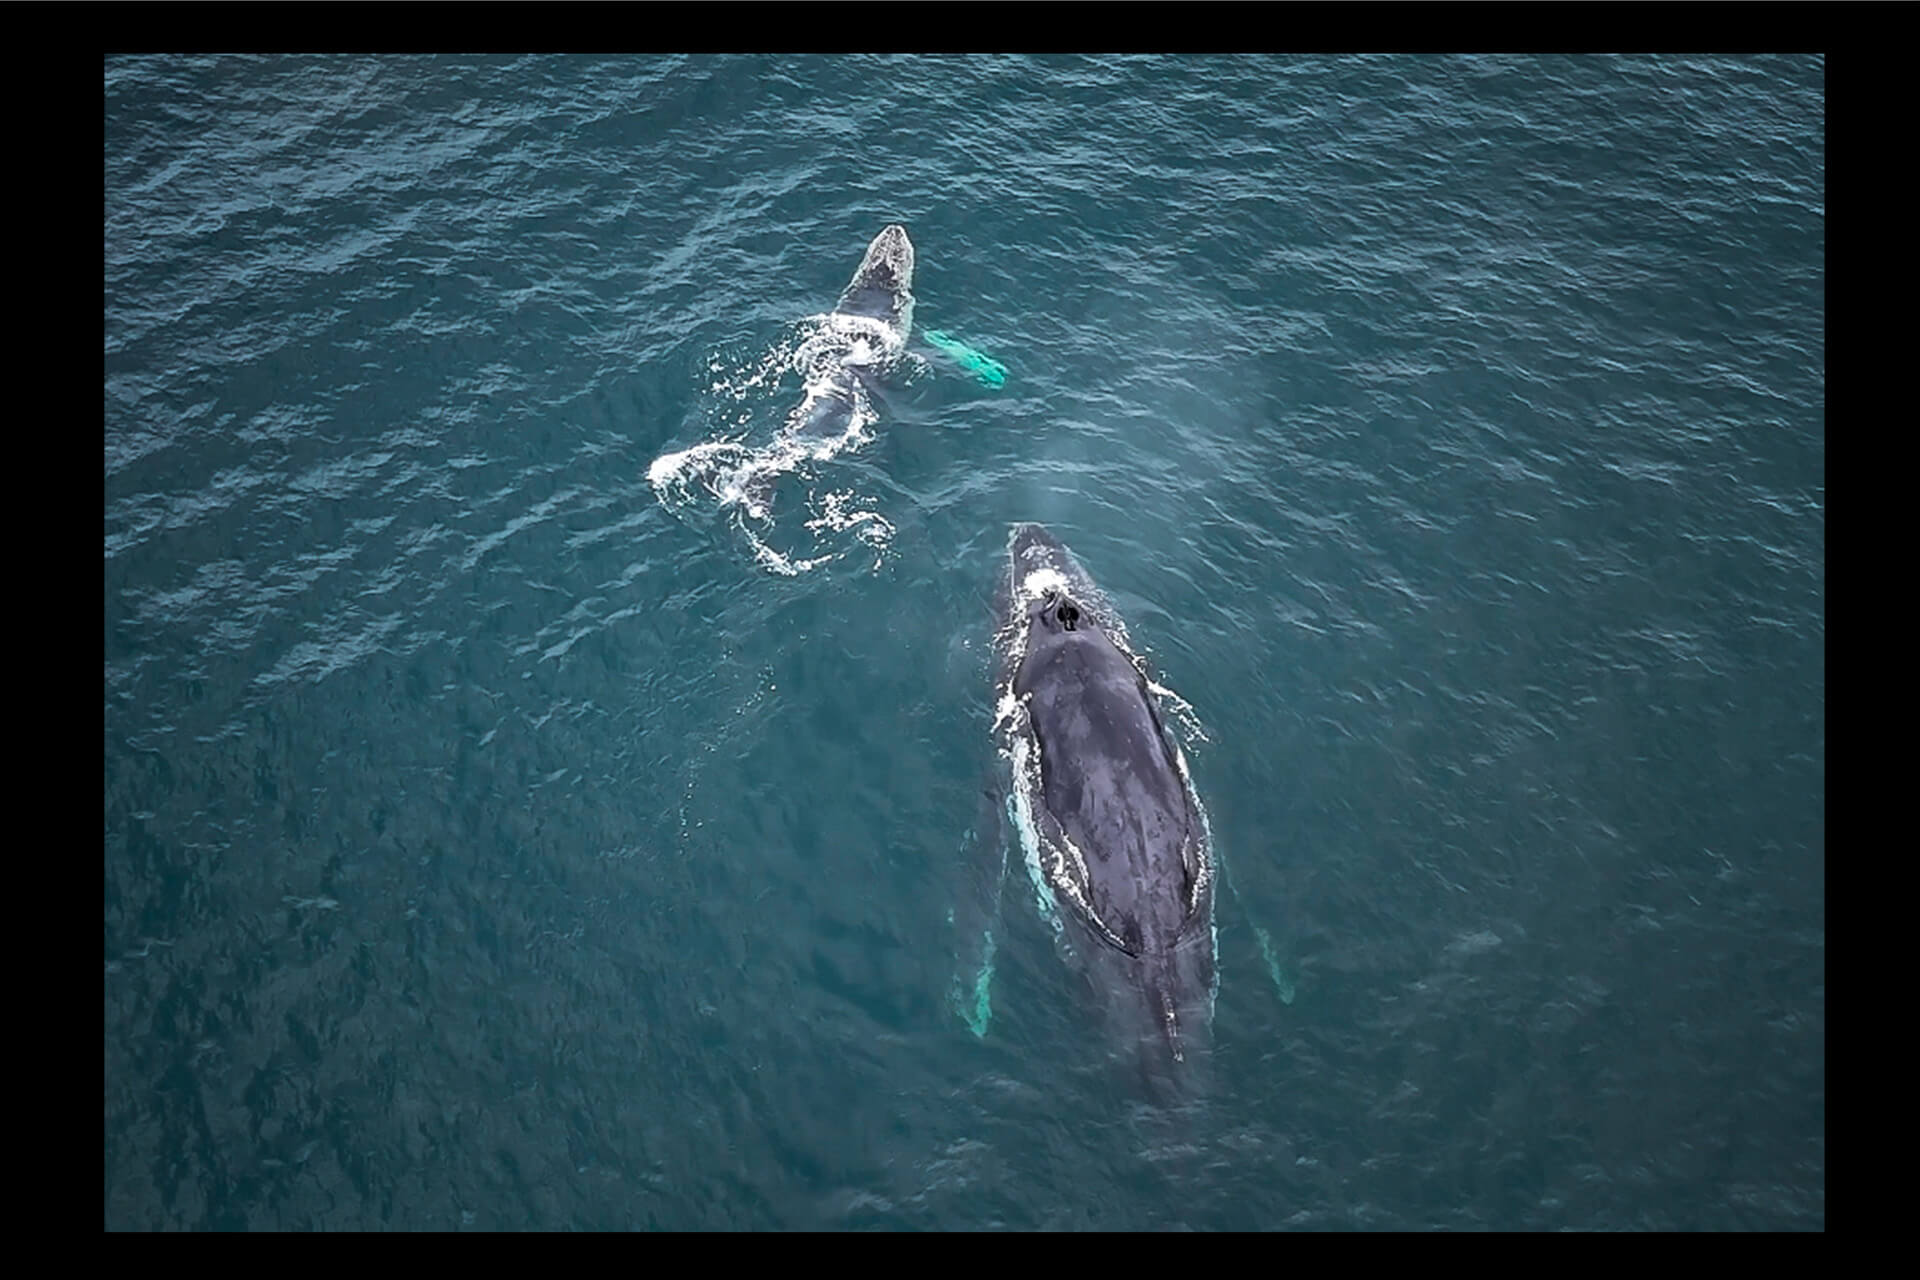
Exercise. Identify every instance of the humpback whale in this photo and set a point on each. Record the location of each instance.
(1110, 824)
(841, 357)
(861, 337)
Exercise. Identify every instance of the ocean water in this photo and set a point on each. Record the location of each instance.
(507, 827)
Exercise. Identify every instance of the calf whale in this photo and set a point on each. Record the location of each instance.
(842, 358)
(1108, 819)
(861, 338)
(841, 364)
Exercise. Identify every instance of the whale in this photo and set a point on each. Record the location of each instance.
(843, 361)
(859, 341)
(1109, 822)
(846, 359)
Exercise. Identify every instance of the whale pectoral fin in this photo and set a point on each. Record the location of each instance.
(1283, 981)
(976, 915)
(989, 371)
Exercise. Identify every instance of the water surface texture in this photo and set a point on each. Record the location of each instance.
(507, 829)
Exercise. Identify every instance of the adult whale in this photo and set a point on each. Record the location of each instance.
(1108, 818)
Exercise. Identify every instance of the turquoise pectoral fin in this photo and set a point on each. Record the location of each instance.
(973, 1000)
(976, 917)
(1281, 979)
(982, 366)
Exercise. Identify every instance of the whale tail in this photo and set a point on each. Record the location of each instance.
(1166, 1011)
(1166, 1058)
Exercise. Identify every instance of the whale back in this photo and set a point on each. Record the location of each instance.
(1109, 780)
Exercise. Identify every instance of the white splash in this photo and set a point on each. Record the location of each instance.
(1041, 581)
(1020, 814)
(742, 480)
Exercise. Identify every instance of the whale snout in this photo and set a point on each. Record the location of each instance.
(882, 287)
(889, 260)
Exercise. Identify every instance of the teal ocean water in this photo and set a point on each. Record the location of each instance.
(510, 825)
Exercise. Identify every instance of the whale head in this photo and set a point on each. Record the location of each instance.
(882, 286)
